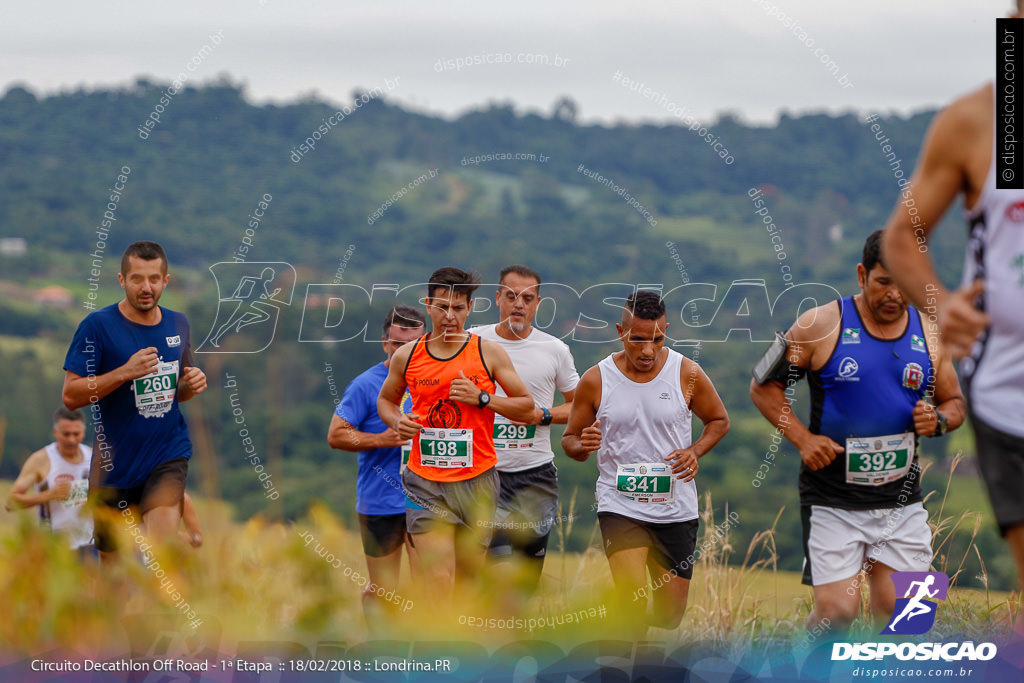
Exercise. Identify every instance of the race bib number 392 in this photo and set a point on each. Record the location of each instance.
(877, 460)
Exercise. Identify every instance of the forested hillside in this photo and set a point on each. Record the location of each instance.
(373, 200)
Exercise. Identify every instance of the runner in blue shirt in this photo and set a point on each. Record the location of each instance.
(380, 500)
(131, 364)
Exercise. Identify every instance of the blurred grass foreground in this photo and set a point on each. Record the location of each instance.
(263, 587)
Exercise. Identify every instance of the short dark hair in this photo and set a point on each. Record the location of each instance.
(145, 250)
(404, 316)
(523, 271)
(454, 279)
(872, 255)
(645, 304)
(63, 413)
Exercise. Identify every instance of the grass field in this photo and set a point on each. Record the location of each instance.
(302, 583)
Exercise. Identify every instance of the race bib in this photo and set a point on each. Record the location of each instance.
(877, 460)
(646, 482)
(512, 436)
(155, 392)
(78, 495)
(446, 448)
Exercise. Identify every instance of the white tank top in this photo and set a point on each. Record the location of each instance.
(641, 424)
(994, 372)
(66, 517)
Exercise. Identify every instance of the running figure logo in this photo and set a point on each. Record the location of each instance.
(914, 613)
(253, 305)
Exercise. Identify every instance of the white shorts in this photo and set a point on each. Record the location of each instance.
(839, 543)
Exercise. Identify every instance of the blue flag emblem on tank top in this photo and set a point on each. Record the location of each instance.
(913, 376)
(851, 335)
(917, 344)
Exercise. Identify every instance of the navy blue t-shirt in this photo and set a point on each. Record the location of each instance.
(379, 482)
(138, 425)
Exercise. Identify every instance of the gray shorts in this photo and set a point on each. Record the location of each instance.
(527, 510)
(1001, 459)
(469, 503)
(839, 543)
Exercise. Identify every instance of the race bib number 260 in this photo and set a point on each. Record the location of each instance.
(154, 393)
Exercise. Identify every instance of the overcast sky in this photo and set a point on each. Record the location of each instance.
(706, 56)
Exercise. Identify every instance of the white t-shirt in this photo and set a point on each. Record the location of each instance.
(641, 424)
(545, 364)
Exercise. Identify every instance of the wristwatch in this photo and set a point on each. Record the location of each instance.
(943, 426)
(546, 419)
(484, 400)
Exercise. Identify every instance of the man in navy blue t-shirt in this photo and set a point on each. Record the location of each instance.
(380, 500)
(131, 364)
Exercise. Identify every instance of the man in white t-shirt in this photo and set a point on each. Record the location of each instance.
(528, 501)
(59, 473)
(635, 408)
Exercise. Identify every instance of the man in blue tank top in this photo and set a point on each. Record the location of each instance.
(878, 380)
(131, 364)
(380, 501)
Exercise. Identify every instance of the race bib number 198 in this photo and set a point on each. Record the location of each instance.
(446, 448)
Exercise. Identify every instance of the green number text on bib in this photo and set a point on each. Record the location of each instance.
(446, 448)
(645, 482)
(877, 460)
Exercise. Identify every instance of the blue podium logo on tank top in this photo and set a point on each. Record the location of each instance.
(848, 369)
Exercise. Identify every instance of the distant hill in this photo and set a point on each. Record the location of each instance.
(383, 196)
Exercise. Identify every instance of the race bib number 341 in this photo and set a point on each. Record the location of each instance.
(154, 393)
(877, 460)
(645, 482)
(446, 448)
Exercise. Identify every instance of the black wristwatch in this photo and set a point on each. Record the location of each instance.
(484, 400)
(546, 420)
(943, 426)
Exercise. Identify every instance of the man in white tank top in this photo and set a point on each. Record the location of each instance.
(634, 408)
(981, 322)
(59, 473)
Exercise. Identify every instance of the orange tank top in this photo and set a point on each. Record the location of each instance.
(429, 381)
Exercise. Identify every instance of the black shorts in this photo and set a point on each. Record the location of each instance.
(165, 487)
(1001, 459)
(672, 544)
(382, 534)
(527, 511)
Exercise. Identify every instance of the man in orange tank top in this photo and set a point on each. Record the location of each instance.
(451, 376)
